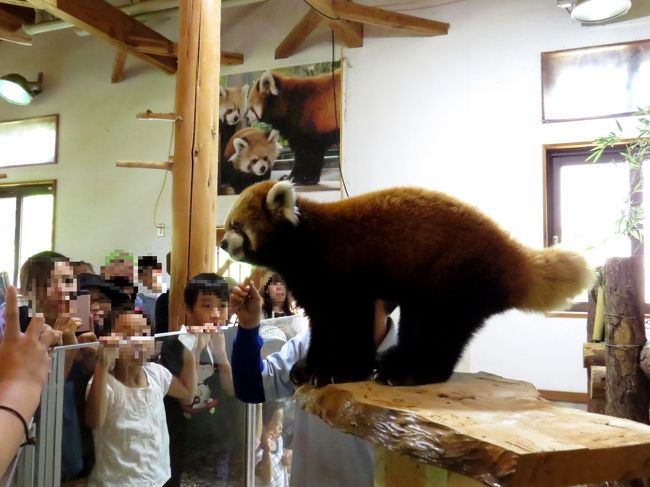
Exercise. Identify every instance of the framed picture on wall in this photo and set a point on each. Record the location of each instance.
(595, 82)
(281, 124)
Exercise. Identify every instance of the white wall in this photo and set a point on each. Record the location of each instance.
(459, 113)
(462, 114)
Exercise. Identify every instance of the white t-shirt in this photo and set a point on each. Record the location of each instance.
(132, 446)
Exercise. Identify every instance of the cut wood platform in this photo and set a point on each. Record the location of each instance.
(497, 431)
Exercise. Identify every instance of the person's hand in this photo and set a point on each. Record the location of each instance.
(218, 346)
(24, 357)
(68, 325)
(287, 456)
(246, 302)
(203, 334)
(109, 349)
(267, 440)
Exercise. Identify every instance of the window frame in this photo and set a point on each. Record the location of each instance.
(552, 204)
(19, 190)
(56, 140)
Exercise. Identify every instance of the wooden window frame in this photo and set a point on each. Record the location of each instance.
(552, 204)
(56, 140)
(19, 190)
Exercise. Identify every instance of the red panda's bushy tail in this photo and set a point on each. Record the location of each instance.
(556, 276)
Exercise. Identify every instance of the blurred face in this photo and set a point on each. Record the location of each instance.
(119, 268)
(209, 309)
(278, 292)
(275, 425)
(139, 345)
(60, 287)
(100, 307)
(152, 278)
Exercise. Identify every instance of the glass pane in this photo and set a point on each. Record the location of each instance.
(593, 198)
(31, 141)
(36, 225)
(206, 438)
(7, 235)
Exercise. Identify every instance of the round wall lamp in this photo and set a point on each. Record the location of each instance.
(593, 11)
(17, 90)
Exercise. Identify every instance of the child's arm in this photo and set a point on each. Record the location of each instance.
(218, 346)
(183, 388)
(97, 400)
(264, 468)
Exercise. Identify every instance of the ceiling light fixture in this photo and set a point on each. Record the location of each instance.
(17, 90)
(594, 11)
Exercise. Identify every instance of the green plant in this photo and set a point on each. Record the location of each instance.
(637, 150)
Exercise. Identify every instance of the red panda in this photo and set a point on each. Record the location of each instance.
(306, 111)
(447, 265)
(232, 110)
(250, 155)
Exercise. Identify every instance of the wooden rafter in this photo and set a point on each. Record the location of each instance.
(351, 33)
(19, 3)
(170, 49)
(103, 20)
(9, 21)
(117, 74)
(385, 18)
(15, 37)
(347, 18)
(297, 36)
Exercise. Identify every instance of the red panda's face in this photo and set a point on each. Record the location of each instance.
(254, 218)
(232, 104)
(256, 152)
(264, 87)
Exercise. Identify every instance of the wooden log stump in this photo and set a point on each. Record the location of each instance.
(597, 384)
(627, 385)
(593, 354)
(496, 431)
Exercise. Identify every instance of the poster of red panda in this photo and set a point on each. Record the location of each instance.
(281, 124)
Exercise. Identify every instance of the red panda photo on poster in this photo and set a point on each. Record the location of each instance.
(281, 124)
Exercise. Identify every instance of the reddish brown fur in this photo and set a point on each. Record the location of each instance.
(435, 255)
(305, 101)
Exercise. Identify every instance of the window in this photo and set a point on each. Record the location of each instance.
(27, 223)
(585, 201)
(29, 141)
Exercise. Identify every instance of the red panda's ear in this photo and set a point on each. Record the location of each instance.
(222, 92)
(281, 200)
(268, 84)
(273, 137)
(239, 144)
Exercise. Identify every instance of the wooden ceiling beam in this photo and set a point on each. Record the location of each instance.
(15, 37)
(9, 21)
(170, 49)
(231, 58)
(119, 61)
(351, 33)
(19, 3)
(385, 18)
(298, 34)
(101, 19)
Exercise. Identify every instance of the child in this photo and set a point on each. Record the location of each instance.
(206, 302)
(271, 463)
(125, 409)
